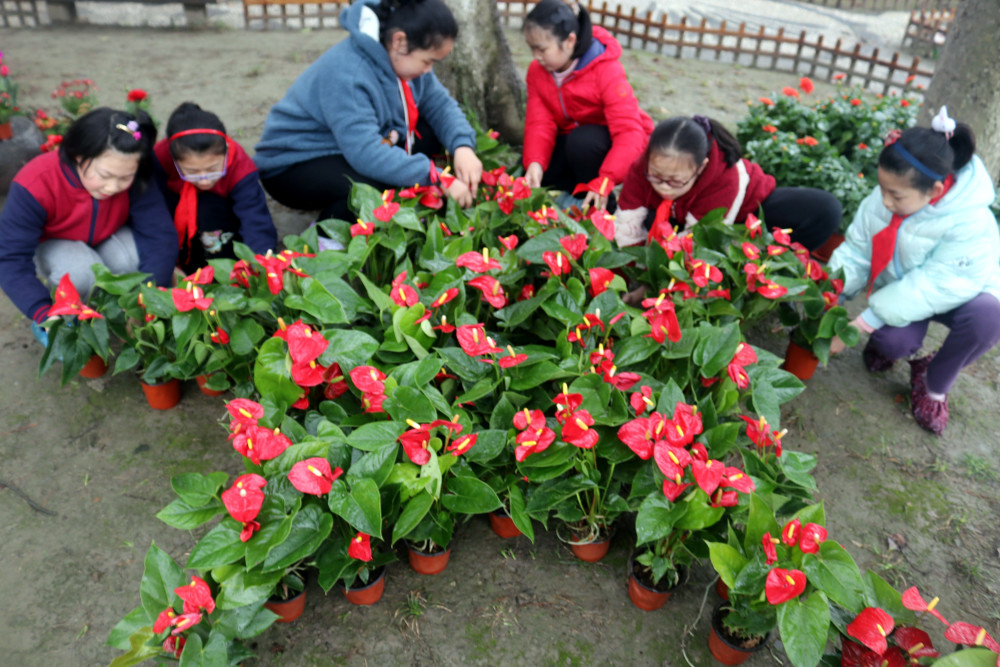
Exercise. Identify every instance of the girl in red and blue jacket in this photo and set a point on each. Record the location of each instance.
(90, 203)
(583, 125)
(212, 188)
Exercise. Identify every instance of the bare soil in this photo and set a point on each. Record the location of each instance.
(917, 508)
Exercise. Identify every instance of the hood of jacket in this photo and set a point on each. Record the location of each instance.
(362, 24)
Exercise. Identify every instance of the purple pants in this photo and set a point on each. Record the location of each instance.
(973, 328)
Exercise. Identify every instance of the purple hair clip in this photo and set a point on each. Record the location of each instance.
(132, 127)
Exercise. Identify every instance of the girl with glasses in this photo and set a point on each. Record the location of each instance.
(212, 190)
(583, 127)
(695, 165)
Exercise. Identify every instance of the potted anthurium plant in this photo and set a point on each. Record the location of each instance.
(77, 333)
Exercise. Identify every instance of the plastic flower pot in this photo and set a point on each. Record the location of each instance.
(825, 251)
(590, 551)
(6, 132)
(428, 563)
(643, 596)
(94, 368)
(725, 648)
(201, 380)
(163, 396)
(287, 610)
(369, 593)
(800, 361)
(721, 589)
(503, 525)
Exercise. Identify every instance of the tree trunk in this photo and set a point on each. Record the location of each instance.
(480, 72)
(967, 78)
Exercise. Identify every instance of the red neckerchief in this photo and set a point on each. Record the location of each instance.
(412, 114)
(884, 242)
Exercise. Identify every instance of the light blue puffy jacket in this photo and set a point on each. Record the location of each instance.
(946, 253)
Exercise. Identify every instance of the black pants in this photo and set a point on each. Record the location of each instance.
(324, 184)
(577, 157)
(812, 214)
(218, 227)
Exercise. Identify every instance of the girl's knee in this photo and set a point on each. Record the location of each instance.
(119, 252)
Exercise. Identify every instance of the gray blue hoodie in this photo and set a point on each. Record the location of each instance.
(348, 101)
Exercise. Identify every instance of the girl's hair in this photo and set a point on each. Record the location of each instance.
(102, 130)
(190, 116)
(938, 154)
(693, 136)
(556, 17)
(427, 24)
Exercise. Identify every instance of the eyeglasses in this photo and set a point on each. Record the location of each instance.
(671, 183)
(199, 178)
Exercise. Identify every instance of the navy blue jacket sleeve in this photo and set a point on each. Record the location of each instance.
(250, 206)
(155, 235)
(21, 225)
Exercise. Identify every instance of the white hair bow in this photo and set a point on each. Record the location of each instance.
(943, 123)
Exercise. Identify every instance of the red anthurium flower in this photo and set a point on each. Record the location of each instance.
(532, 441)
(604, 222)
(970, 635)
(304, 344)
(521, 189)
(479, 263)
(782, 236)
(368, 379)
(509, 242)
(871, 627)
(190, 298)
(664, 326)
(783, 585)
(770, 290)
(913, 601)
(636, 436)
(750, 250)
(542, 216)
(574, 245)
(770, 551)
(791, 532)
(462, 444)
(505, 201)
(577, 432)
(402, 294)
(527, 292)
(620, 381)
(388, 207)
(474, 341)
(737, 479)
(274, 268)
(260, 444)
(432, 197)
(445, 297)
(698, 452)
(524, 419)
(67, 302)
(708, 474)
(164, 620)
(557, 262)
(829, 300)
(703, 273)
(672, 461)
(600, 279)
(641, 400)
(812, 536)
(513, 359)
(724, 498)
(309, 374)
(313, 476)
(492, 291)
(567, 403)
(415, 443)
(241, 273)
(219, 336)
(806, 85)
(492, 177)
(336, 384)
(185, 622)
(361, 547)
(915, 642)
(684, 426)
(136, 95)
(444, 327)
(372, 401)
(362, 228)
(202, 276)
(245, 411)
(197, 594)
(174, 645)
(739, 376)
(244, 498)
(754, 226)
(838, 285)
(672, 490)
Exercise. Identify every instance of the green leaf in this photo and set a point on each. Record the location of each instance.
(549, 494)
(245, 588)
(309, 528)
(220, 546)
(804, 625)
(970, 657)
(160, 576)
(184, 517)
(760, 521)
(196, 489)
(656, 518)
(273, 374)
(836, 574)
(360, 507)
(412, 514)
(634, 350)
(245, 622)
(409, 403)
(318, 302)
(469, 495)
(376, 435)
(518, 513)
(715, 348)
(489, 445)
(727, 561)
(140, 649)
(351, 348)
(128, 626)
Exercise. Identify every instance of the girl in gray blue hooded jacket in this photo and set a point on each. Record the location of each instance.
(924, 247)
(369, 110)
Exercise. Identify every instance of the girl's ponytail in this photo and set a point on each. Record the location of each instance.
(427, 24)
(963, 144)
(104, 129)
(729, 145)
(556, 17)
(929, 155)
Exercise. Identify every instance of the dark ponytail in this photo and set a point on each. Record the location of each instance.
(190, 116)
(693, 136)
(101, 130)
(427, 24)
(938, 155)
(556, 17)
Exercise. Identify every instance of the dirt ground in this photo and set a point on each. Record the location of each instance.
(96, 461)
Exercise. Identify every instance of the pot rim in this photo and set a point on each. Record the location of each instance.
(276, 600)
(681, 570)
(429, 554)
(372, 582)
(719, 630)
(610, 533)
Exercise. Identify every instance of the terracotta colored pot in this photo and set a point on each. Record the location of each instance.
(368, 594)
(5, 131)
(591, 551)
(503, 525)
(424, 563)
(642, 596)
(799, 361)
(163, 396)
(722, 589)
(94, 368)
(287, 610)
(825, 251)
(201, 380)
(724, 650)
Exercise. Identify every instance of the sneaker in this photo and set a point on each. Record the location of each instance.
(875, 362)
(41, 334)
(930, 414)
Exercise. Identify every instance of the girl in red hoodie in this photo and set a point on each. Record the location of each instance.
(583, 126)
(693, 166)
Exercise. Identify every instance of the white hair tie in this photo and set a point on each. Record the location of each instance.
(943, 123)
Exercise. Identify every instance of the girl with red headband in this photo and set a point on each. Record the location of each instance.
(212, 190)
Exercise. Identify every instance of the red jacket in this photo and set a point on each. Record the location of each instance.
(739, 189)
(597, 93)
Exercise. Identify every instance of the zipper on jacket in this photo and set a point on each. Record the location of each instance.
(93, 221)
(559, 87)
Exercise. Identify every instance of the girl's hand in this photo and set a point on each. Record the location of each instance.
(595, 200)
(460, 192)
(533, 175)
(468, 168)
(836, 345)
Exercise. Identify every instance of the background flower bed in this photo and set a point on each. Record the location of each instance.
(108, 442)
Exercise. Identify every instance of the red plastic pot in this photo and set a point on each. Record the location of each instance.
(163, 396)
(6, 132)
(503, 525)
(425, 563)
(287, 610)
(825, 251)
(94, 368)
(722, 589)
(591, 551)
(368, 594)
(799, 361)
(201, 380)
(642, 596)
(722, 648)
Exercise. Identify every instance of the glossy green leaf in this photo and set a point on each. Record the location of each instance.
(804, 625)
(160, 576)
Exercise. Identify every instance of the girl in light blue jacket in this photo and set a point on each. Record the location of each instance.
(924, 247)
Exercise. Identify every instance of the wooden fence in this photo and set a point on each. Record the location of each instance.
(764, 48)
(19, 14)
(884, 5)
(266, 14)
(927, 30)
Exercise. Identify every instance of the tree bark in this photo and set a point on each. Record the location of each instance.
(480, 72)
(967, 78)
